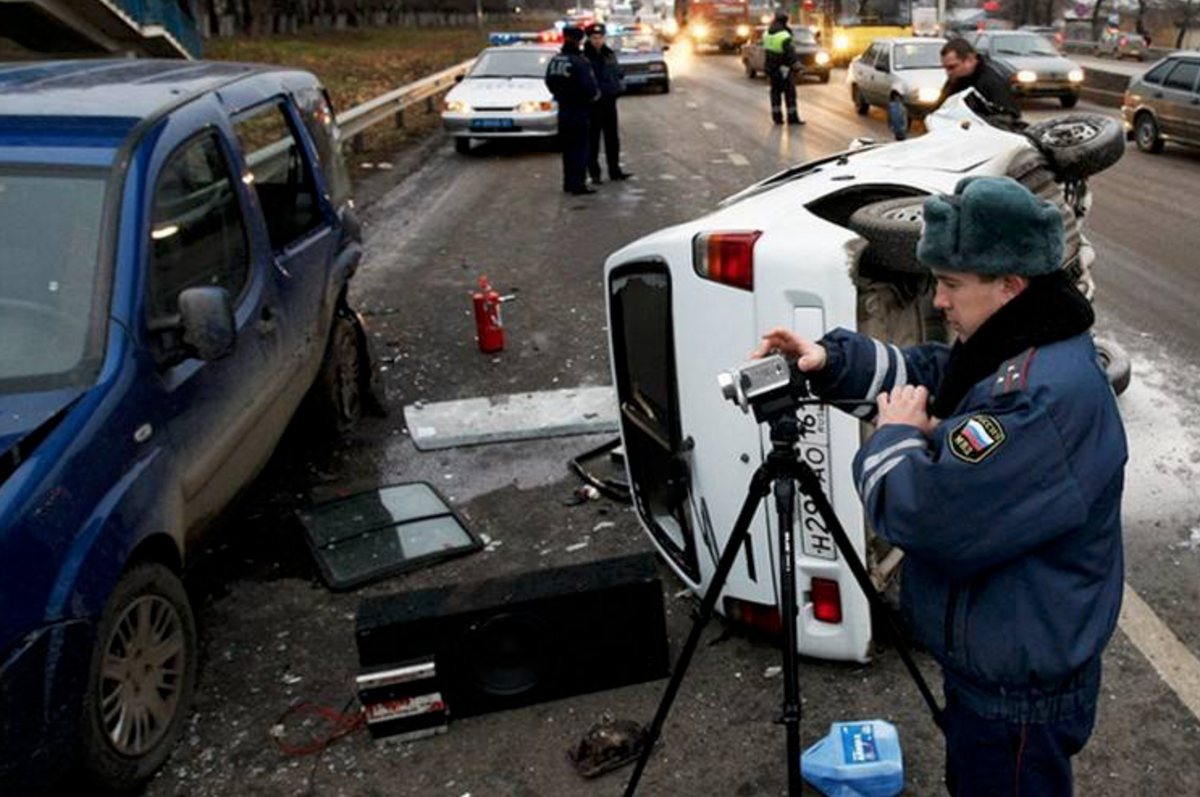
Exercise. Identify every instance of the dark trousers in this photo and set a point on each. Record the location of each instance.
(573, 138)
(604, 121)
(782, 88)
(995, 758)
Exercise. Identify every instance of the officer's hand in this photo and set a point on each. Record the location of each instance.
(809, 356)
(905, 404)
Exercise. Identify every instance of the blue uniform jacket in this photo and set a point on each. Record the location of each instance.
(570, 79)
(1009, 515)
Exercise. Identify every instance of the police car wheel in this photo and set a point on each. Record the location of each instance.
(1116, 364)
(1079, 145)
(892, 228)
(824, 76)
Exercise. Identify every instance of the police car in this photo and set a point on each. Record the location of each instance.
(504, 95)
(825, 244)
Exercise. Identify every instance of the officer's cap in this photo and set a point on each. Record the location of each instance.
(991, 225)
(594, 28)
(573, 33)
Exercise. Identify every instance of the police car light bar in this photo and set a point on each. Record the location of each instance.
(503, 38)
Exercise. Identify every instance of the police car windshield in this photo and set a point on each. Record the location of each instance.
(1023, 45)
(633, 43)
(804, 36)
(50, 223)
(512, 63)
(919, 56)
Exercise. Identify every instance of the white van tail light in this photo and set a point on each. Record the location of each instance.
(726, 257)
(754, 615)
(826, 600)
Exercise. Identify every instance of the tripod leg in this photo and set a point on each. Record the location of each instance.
(785, 509)
(810, 485)
(760, 484)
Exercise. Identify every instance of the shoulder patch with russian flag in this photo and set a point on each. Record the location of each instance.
(976, 438)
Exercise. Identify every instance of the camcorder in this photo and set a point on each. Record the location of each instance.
(771, 387)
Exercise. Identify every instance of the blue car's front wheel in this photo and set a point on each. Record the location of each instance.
(141, 679)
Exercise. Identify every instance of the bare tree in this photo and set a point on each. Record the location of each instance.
(1186, 14)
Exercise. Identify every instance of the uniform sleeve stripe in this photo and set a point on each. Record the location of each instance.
(901, 367)
(882, 471)
(870, 462)
(881, 368)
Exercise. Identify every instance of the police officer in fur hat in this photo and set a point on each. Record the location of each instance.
(611, 81)
(570, 79)
(997, 465)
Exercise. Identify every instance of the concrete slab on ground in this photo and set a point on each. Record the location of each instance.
(519, 416)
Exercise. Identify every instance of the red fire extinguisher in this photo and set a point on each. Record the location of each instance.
(489, 325)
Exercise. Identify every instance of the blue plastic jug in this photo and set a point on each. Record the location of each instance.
(856, 759)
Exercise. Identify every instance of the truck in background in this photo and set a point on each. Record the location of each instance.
(723, 24)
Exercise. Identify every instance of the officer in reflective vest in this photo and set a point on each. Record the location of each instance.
(780, 58)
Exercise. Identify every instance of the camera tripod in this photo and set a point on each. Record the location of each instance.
(784, 471)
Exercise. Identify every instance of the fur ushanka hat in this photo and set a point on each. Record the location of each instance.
(991, 225)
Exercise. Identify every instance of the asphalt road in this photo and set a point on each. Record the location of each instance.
(273, 635)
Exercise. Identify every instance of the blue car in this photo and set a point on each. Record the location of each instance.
(176, 241)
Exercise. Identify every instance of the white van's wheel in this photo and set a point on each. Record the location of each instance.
(1116, 364)
(893, 227)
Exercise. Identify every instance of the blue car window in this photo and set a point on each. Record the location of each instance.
(282, 178)
(50, 223)
(198, 235)
(317, 112)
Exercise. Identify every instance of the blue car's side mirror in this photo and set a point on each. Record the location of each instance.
(206, 318)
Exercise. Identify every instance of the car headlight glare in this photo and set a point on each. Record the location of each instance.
(700, 31)
(822, 58)
(1027, 76)
(455, 106)
(841, 42)
(670, 27)
(743, 30)
(1075, 76)
(928, 94)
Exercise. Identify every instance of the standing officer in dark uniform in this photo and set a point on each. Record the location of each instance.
(1005, 495)
(611, 81)
(967, 69)
(570, 79)
(780, 60)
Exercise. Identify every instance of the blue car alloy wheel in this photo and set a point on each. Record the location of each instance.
(141, 681)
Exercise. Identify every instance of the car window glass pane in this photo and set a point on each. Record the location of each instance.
(981, 43)
(317, 114)
(50, 229)
(804, 36)
(918, 56)
(1183, 76)
(197, 236)
(1159, 72)
(512, 63)
(869, 56)
(281, 176)
(884, 60)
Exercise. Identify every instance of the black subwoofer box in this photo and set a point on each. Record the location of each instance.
(536, 636)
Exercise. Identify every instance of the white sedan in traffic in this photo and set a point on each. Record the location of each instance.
(504, 95)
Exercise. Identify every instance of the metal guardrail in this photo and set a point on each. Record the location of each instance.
(391, 105)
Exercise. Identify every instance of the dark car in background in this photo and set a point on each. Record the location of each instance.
(642, 57)
(176, 244)
(1163, 104)
(1032, 65)
(813, 59)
